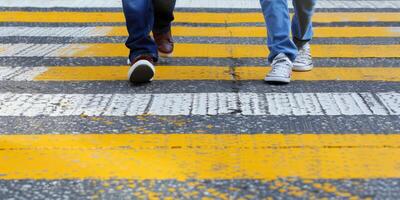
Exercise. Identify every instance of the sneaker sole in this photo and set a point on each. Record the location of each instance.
(141, 72)
(276, 80)
(302, 68)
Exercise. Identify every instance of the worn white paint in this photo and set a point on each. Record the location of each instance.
(20, 73)
(391, 101)
(185, 104)
(28, 50)
(194, 3)
(54, 31)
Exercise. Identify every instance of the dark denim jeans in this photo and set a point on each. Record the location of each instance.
(276, 13)
(142, 17)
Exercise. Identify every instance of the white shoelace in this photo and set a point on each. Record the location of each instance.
(281, 66)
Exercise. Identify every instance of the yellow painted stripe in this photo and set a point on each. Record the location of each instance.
(245, 31)
(199, 156)
(108, 73)
(232, 50)
(190, 17)
(327, 73)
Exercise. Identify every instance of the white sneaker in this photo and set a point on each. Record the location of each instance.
(281, 69)
(303, 61)
(142, 70)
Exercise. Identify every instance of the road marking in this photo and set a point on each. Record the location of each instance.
(391, 102)
(190, 17)
(327, 73)
(232, 31)
(199, 156)
(256, 4)
(175, 104)
(320, 32)
(195, 50)
(56, 31)
(114, 73)
(20, 73)
(110, 73)
(244, 4)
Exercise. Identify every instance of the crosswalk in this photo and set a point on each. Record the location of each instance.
(229, 31)
(72, 127)
(142, 154)
(250, 4)
(194, 73)
(187, 104)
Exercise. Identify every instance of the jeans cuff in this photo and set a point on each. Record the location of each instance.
(133, 56)
(299, 43)
(161, 30)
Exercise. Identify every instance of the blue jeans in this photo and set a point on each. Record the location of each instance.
(143, 17)
(276, 14)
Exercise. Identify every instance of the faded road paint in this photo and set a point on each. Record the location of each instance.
(230, 31)
(197, 50)
(244, 4)
(110, 73)
(190, 17)
(199, 156)
(189, 104)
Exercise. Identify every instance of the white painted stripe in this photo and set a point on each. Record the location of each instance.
(253, 4)
(54, 31)
(79, 32)
(20, 73)
(26, 50)
(194, 4)
(372, 103)
(391, 101)
(185, 104)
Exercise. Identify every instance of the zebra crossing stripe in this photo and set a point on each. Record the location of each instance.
(232, 31)
(194, 50)
(20, 73)
(186, 104)
(244, 4)
(189, 17)
(199, 156)
(56, 31)
(254, 4)
(195, 73)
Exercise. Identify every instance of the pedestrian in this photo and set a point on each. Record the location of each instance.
(288, 54)
(142, 18)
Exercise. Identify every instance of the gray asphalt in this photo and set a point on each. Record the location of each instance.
(124, 87)
(229, 123)
(121, 61)
(228, 10)
(84, 24)
(280, 189)
(203, 40)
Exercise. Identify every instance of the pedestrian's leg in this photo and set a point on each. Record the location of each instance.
(143, 50)
(163, 16)
(302, 32)
(302, 29)
(276, 14)
(282, 49)
(139, 17)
